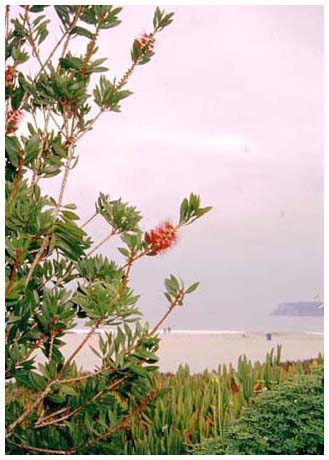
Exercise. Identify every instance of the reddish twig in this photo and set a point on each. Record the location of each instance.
(13, 271)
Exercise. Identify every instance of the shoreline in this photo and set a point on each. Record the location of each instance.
(82, 331)
(208, 351)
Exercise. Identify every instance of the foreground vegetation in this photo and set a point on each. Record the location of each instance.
(261, 408)
(286, 420)
(196, 408)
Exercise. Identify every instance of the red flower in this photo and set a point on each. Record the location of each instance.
(146, 43)
(161, 238)
(234, 386)
(10, 75)
(13, 118)
(258, 387)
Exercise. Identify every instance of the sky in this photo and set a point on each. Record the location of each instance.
(230, 108)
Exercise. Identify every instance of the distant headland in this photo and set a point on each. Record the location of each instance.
(298, 309)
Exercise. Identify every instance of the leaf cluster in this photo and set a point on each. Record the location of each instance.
(121, 216)
(190, 210)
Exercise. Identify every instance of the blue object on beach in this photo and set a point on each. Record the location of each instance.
(269, 336)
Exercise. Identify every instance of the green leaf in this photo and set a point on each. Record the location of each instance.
(70, 215)
(70, 206)
(146, 355)
(172, 285)
(138, 370)
(32, 149)
(17, 97)
(203, 211)
(67, 390)
(37, 380)
(124, 252)
(71, 62)
(82, 31)
(192, 288)
(168, 297)
(13, 149)
(183, 213)
(59, 399)
(37, 8)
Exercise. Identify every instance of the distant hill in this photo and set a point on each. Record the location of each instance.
(298, 309)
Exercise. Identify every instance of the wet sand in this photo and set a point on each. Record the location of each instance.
(207, 351)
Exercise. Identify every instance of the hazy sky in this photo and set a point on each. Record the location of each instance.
(231, 108)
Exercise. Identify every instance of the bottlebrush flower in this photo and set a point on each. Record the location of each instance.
(146, 43)
(13, 118)
(10, 75)
(161, 238)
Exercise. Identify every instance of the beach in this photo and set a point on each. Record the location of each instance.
(206, 350)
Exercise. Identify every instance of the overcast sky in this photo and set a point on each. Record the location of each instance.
(231, 108)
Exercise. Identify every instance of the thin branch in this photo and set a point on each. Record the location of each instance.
(7, 21)
(112, 233)
(41, 146)
(89, 220)
(90, 126)
(51, 346)
(49, 420)
(60, 128)
(82, 343)
(77, 15)
(37, 258)
(40, 449)
(141, 254)
(65, 178)
(32, 41)
(127, 74)
(28, 354)
(29, 409)
(91, 46)
(13, 272)
(173, 304)
(125, 421)
(18, 176)
(50, 416)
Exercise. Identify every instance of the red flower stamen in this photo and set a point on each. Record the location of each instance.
(146, 43)
(10, 75)
(13, 118)
(161, 238)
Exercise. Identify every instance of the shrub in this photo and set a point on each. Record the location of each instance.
(54, 272)
(286, 420)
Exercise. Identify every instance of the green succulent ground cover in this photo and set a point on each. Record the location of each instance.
(195, 408)
(260, 408)
(286, 420)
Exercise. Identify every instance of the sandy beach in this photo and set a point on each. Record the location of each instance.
(206, 351)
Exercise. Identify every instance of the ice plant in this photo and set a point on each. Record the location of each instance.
(161, 238)
(13, 118)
